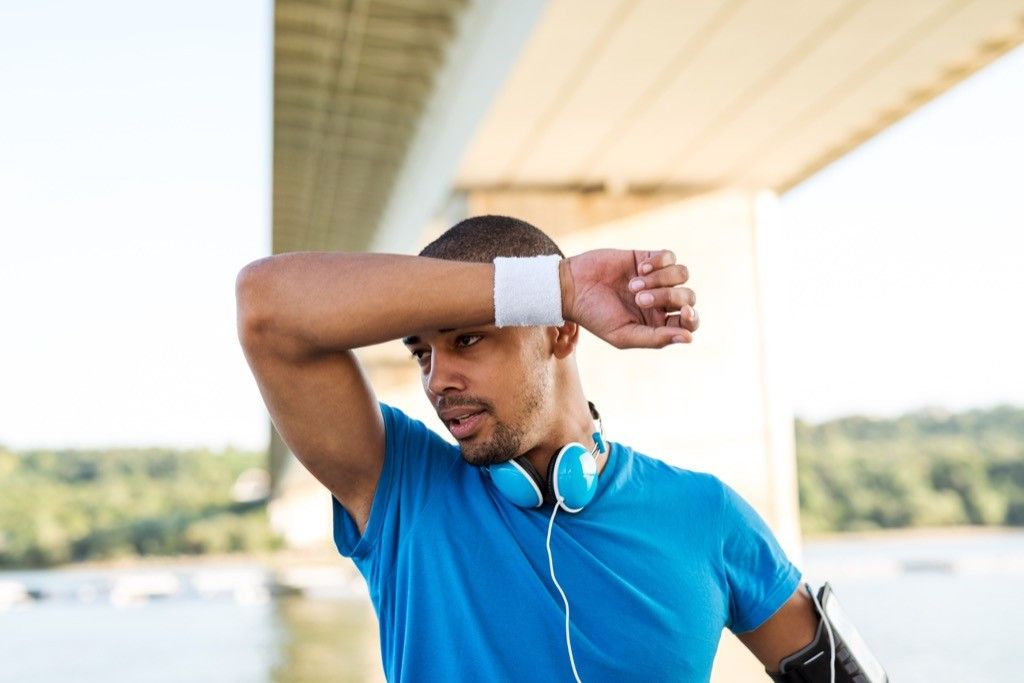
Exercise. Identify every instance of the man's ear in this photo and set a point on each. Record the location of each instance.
(564, 339)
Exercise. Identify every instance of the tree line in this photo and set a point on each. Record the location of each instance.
(60, 506)
(926, 468)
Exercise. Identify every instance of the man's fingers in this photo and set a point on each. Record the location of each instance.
(655, 260)
(670, 276)
(669, 298)
(687, 318)
(693, 322)
(644, 337)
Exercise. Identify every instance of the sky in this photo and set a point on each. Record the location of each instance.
(906, 255)
(135, 181)
(135, 173)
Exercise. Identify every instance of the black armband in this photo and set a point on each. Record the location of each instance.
(837, 654)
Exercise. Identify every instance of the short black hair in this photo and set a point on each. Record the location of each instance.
(481, 239)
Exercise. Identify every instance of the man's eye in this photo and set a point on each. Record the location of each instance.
(475, 338)
(418, 354)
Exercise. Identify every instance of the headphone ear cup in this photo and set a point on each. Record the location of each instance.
(517, 480)
(572, 475)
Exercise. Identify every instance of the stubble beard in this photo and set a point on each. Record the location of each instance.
(506, 440)
(505, 443)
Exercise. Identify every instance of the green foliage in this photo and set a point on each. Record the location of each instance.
(853, 473)
(920, 469)
(73, 505)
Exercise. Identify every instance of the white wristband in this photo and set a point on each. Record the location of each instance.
(527, 291)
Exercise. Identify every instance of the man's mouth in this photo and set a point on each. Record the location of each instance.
(462, 426)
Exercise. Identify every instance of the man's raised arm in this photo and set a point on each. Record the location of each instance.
(300, 314)
(310, 302)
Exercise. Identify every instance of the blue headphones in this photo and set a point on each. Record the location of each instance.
(571, 480)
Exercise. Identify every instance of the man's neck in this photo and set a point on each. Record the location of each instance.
(579, 427)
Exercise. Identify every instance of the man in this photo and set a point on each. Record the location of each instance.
(659, 561)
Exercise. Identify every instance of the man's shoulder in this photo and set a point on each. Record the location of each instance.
(661, 467)
(693, 482)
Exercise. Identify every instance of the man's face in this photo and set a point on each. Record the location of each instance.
(490, 386)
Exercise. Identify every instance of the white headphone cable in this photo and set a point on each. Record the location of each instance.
(598, 445)
(551, 566)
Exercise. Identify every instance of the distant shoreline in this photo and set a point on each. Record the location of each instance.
(914, 532)
(329, 556)
(271, 560)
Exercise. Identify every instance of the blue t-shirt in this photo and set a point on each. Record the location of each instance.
(657, 564)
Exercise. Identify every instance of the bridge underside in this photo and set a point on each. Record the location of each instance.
(382, 107)
(389, 113)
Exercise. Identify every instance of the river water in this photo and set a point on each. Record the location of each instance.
(934, 607)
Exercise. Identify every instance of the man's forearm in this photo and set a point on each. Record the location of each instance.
(331, 300)
(305, 303)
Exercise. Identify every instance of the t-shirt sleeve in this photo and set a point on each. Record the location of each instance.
(759, 574)
(417, 461)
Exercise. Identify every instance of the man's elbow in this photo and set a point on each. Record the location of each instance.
(250, 299)
(265, 325)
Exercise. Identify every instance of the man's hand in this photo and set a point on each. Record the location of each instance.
(631, 299)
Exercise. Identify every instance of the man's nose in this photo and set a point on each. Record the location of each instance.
(445, 374)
